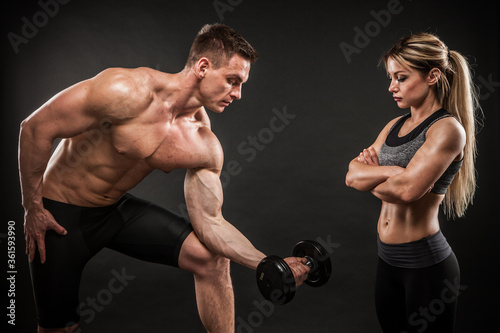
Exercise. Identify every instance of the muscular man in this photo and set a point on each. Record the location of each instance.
(118, 127)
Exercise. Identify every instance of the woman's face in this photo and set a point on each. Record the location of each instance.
(408, 86)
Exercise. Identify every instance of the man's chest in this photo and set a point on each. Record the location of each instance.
(163, 146)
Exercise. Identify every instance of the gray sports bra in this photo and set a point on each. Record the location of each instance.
(399, 151)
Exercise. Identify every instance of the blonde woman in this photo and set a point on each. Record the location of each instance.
(420, 161)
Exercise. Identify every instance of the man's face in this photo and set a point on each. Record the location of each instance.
(221, 86)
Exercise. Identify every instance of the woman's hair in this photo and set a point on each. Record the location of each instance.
(219, 43)
(457, 94)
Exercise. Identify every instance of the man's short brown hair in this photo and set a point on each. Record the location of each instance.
(219, 43)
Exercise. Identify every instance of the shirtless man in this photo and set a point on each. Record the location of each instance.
(117, 128)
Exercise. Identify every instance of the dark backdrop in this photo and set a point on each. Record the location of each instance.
(317, 65)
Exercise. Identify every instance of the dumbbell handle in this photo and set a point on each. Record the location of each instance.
(312, 263)
(318, 260)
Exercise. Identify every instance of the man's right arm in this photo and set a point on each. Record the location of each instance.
(71, 112)
(62, 116)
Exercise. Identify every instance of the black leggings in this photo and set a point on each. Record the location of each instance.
(417, 299)
(131, 226)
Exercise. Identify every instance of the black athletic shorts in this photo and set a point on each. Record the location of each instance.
(131, 226)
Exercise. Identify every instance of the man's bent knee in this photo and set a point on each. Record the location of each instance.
(199, 260)
(215, 265)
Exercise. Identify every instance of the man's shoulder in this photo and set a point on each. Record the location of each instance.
(126, 80)
(214, 155)
(123, 91)
(123, 72)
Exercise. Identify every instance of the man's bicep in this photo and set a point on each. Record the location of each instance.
(204, 196)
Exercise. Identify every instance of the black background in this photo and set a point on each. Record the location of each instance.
(291, 189)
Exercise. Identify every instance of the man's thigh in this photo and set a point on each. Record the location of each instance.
(57, 281)
(150, 232)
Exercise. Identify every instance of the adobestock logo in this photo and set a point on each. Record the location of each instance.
(420, 319)
(250, 148)
(487, 84)
(30, 28)
(92, 305)
(372, 29)
(223, 6)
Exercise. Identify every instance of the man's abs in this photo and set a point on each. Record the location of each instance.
(88, 175)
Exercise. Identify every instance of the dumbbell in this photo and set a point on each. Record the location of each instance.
(275, 278)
